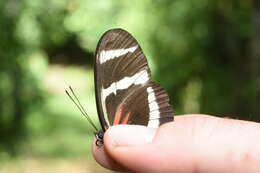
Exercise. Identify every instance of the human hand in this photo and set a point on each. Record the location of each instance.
(192, 143)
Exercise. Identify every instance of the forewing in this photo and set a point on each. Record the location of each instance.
(120, 69)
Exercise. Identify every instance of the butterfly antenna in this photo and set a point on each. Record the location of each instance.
(76, 101)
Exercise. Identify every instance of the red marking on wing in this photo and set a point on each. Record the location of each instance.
(118, 116)
(125, 120)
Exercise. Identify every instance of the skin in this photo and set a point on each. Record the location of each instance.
(190, 144)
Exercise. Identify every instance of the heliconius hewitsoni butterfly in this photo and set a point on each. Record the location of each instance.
(125, 93)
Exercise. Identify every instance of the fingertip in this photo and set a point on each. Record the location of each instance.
(128, 145)
(122, 144)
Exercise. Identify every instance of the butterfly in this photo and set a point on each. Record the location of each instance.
(124, 90)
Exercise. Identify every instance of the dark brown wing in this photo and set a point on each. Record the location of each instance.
(122, 76)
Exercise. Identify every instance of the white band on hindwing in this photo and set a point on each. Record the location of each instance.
(154, 113)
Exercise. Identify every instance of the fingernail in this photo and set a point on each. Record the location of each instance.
(130, 135)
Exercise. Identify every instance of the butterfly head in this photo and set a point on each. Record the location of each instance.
(99, 137)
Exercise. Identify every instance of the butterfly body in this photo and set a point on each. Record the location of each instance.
(125, 92)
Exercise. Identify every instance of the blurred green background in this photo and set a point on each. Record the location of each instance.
(205, 53)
